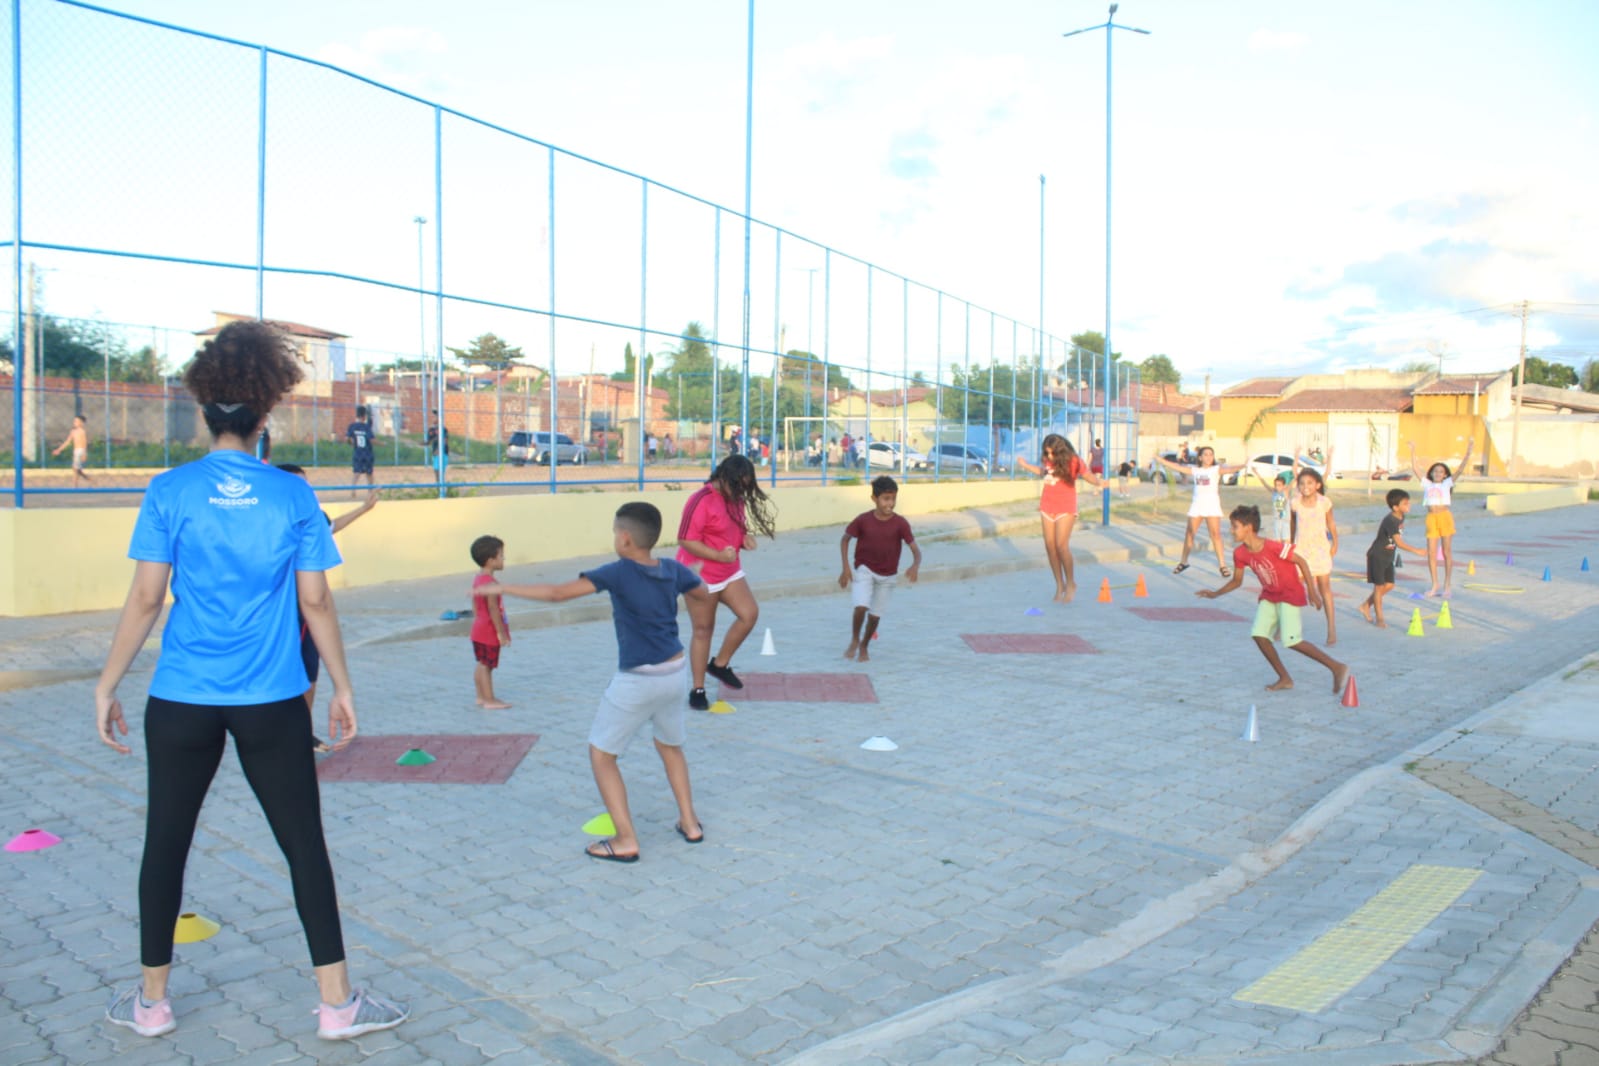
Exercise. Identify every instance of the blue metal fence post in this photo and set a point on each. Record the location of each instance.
(438, 285)
(938, 387)
(777, 351)
(827, 354)
(905, 370)
(17, 354)
(554, 387)
(641, 377)
(866, 449)
(716, 344)
(749, 141)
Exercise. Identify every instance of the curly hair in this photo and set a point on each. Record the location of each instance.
(1056, 457)
(734, 477)
(240, 374)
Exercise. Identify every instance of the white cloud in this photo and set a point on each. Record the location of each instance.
(1276, 41)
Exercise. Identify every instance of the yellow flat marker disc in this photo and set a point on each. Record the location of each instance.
(1503, 589)
(1319, 974)
(192, 928)
(600, 826)
(722, 707)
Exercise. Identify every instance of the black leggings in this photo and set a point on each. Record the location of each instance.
(183, 743)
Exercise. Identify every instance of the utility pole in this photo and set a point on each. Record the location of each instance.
(1521, 382)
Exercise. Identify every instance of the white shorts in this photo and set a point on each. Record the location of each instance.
(738, 575)
(657, 694)
(1205, 509)
(871, 590)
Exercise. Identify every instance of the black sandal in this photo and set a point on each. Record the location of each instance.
(1179, 568)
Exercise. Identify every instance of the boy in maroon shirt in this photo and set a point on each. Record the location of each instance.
(879, 533)
(1285, 584)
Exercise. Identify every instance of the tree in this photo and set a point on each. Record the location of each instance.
(630, 365)
(1082, 359)
(143, 367)
(1418, 366)
(1590, 376)
(958, 403)
(1539, 372)
(1157, 370)
(488, 350)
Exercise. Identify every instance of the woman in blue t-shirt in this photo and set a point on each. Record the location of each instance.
(244, 547)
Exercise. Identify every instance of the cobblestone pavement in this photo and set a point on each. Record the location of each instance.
(1070, 857)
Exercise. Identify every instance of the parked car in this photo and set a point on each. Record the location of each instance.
(958, 459)
(1269, 466)
(1163, 474)
(891, 455)
(527, 446)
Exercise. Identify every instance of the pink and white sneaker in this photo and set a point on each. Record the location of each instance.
(129, 1010)
(365, 1013)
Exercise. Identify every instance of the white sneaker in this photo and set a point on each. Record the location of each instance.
(365, 1013)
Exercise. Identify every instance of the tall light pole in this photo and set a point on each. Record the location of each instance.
(422, 327)
(1108, 26)
(749, 140)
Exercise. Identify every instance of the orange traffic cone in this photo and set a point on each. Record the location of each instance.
(1104, 590)
(1140, 591)
(1351, 694)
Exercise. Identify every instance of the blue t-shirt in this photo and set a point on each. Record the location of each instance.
(234, 531)
(644, 607)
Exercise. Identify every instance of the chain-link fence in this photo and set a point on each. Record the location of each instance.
(491, 310)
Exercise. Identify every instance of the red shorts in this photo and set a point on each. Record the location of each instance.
(487, 654)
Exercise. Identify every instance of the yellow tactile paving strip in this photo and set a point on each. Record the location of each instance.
(1347, 954)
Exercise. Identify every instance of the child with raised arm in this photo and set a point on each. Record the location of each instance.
(1437, 487)
(490, 632)
(1285, 585)
(1061, 467)
(878, 535)
(1206, 505)
(1315, 538)
(651, 682)
(1380, 556)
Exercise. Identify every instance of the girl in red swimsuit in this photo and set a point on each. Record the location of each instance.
(1061, 467)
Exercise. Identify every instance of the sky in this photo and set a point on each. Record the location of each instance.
(1297, 188)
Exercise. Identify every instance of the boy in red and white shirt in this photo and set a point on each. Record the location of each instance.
(878, 535)
(1285, 585)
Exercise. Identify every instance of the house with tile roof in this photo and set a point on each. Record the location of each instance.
(321, 350)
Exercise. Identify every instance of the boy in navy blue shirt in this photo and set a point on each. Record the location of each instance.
(651, 683)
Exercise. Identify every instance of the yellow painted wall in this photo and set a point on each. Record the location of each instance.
(1441, 437)
(1236, 415)
(75, 559)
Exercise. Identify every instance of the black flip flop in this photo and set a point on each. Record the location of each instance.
(692, 840)
(610, 853)
(1179, 568)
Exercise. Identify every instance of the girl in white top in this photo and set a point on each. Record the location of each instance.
(1206, 476)
(1437, 488)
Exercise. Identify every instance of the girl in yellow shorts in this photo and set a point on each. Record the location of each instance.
(1437, 487)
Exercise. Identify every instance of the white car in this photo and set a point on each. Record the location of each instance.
(959, 459)
(534, 447)
(891, 455)
(1269, 466)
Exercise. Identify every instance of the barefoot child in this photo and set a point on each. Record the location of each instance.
(489, 631)
(1060, 466)
(1437, 486)
(652, 677)
(1380, 556)
(78, 438)
(1285, 584)
(878, 534)
(717, 524)
(1315, 539)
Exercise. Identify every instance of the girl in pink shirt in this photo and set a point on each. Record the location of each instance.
(1061, 468)
(719, 521)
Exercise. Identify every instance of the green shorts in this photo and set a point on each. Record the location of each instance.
(1272, 619)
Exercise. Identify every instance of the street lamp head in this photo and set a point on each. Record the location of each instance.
(419, 220)
(1113, 8)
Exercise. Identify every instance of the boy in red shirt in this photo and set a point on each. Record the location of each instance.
(879, 533)
(489, 631)
(1285, 584)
